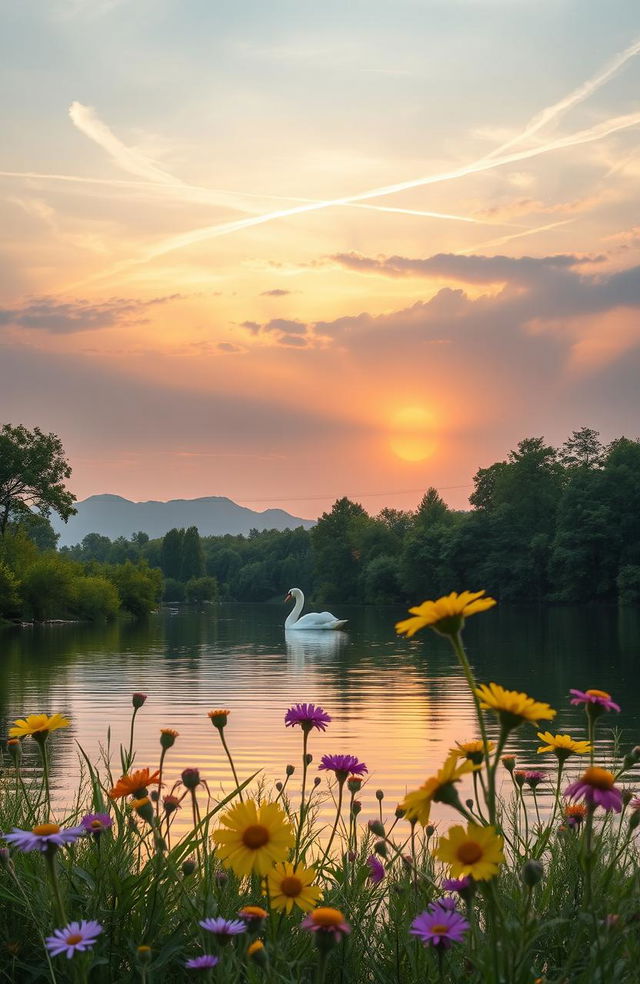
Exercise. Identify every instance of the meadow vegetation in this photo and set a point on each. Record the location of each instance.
(144, 875)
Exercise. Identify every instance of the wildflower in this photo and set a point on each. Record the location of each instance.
(376, 869)
(74, 938)
(96, 823)
(188, 867)
(465, 887)
(519, 775)
(205, 962)
(138, 700)
(476, 851)
(635, 804)
(327, 922)
(531, 872)
(257, 953)
(596, 788)
(562, 745)
(191, 778)
(14, 748)
(134, 784)
(308, 716)
(354, 784)
(342, 765)
(474, 751)
(253, 913)
(143, 953)
(439, 925)
(533, 778)
(143, 808)
(168, 737)
(257, 836)
(291, 885)
(446, 615)
(511, 707)
(575, 813)
(44, 837)
(38, 725)
(171, 804)
(509, 762)
(224, 929)
(438, 789)
(219, 718)
(596, 702)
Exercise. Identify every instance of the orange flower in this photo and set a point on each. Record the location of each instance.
(134, 784)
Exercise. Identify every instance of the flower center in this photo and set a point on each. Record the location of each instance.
(439, 929)
(469, 852)
(598, 778)
(327, 918)
(598, 693)
(45, 829)
(291, 886)
(73, 939)
(255, 836)
(97, 824)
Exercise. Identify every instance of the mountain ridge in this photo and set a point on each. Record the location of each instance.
(113, 516)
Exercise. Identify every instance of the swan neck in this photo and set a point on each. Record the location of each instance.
(294, 614)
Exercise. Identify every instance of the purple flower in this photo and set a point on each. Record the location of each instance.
(596, 788)
(458, 885)
(439, 926)
(44, 837)
(223, 929)
(96, 823)
(205, 962)
(308, 716)
(76, 937)
(328, 921)
(342, 765)
(376, 869)
(596, 699)
(533, 778)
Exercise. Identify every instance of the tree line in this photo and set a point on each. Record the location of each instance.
(546, 525)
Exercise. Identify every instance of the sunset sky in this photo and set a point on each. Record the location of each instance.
(285, 251)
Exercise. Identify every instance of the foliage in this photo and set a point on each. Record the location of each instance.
(139, 586)
(33, 470)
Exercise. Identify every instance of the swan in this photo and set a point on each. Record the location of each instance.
(312, 620)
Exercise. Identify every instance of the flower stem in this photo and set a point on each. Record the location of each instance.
(458, 648)
(301, 815)
(337, 820)
(233, 768)
(49, 856)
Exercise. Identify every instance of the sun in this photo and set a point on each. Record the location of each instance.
(411, 437)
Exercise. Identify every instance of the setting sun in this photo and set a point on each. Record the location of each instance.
(411, 436)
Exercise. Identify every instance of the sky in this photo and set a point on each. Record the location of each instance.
(285, 251)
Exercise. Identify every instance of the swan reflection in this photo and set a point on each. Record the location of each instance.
(301, 644)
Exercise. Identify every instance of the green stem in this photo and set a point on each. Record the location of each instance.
(49, 856)
(233, 768)
(162, 755)
(130, 752)
(301, 815)
(458, 648)
(337, 820)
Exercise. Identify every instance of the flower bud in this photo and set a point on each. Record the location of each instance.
(308, 758)
(469, 804)
(138, 700)
(429, 830)
(380, 848)
(399, 813)
(168, 737)
(221, 877)
(532, 872)
(279, 786)
(143, 808)
(509, 762)
(354, 784)
(356, 807)
(14, 748)
(635, 751)
(155, 795)
(634, 820)
(191, 778)
(317, 781)
(219, 719)
(188, 867)
(143, 953)
(379, 795)
(376, 828)
(290, 770)
(257, 953)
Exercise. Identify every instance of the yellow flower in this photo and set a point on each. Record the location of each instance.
(37, 724)
(474, 751)
(562, 745)
(257, 837)
(437, 789)
(511, 707)
(219, 717)
(476, 851)
(447, 614)
(289, 886)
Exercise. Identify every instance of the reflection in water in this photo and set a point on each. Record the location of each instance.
(397, 704)
(302, 645)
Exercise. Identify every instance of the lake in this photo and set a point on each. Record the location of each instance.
(398, 705)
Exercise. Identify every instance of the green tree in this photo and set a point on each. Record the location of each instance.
(583, 449)
(95, 599)
(171, 555)
(192, 564)
(10, 599)
(337, 550)
(139, 586)
(33, 470)
(48, 588)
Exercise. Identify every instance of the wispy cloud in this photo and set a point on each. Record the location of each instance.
(46, 314)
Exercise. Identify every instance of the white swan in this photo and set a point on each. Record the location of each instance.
(312, 620)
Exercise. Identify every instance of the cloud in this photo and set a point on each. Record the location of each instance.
(56, 317)
(281, 331)
(229, 347)
(276, 292)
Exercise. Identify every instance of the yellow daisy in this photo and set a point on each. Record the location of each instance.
(447, 614)
(38, 724)
(291, 885)
(511, 707)
(562, 745)
(437, 789)
(257, 836)
(474, 751)
(476, 851)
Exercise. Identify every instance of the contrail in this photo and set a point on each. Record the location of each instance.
(597, 132)
(516, 235)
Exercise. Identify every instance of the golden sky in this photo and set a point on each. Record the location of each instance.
(284, 252)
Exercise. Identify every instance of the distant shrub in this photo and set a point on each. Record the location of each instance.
(48, 588)
(202, 589)
(10, 601)
(96, 598)
(139, 586)
(174, 590)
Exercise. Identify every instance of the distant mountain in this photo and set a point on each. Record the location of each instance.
(113, 516)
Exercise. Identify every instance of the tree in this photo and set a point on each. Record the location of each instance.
(336, 540)
(171, 555)
(583, 448)
(33, 470)
(192, 565)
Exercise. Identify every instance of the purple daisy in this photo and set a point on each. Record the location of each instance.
(458, 885)
(596, 788)
(533, 778)
(223, 929)
(439, 926)
(596, 699)
(205, 962)
(74, 938)
(308, 716)
(376, 869)
(44, 837)
(96, 823)
(342, 765)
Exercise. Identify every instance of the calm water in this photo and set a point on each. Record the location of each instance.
(398, 705)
